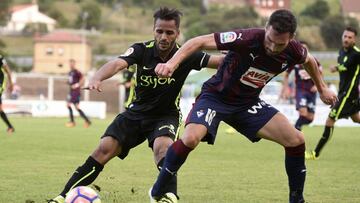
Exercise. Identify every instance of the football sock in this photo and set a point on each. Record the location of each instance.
(301, 121)
(84, 175)
(175, 157)
(5, 119)
(71, 114)
(295, 169)
(328, 131)
(172, 185)
(82, 114)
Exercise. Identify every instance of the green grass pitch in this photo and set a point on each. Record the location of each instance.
(37, 160)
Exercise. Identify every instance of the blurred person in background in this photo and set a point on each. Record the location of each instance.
(5, 78)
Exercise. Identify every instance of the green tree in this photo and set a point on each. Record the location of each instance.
(331, 29)
(4, 11)
(319, 9)
(58, 16)
(89, 17)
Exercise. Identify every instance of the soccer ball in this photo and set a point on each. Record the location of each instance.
(82, 194)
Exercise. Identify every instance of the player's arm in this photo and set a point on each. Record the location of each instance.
(326, 95)
(215, 61)
(204, 42)
(8, 74)
(106, 71)
(285, 87)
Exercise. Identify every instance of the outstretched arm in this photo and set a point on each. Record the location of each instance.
(106, 71)
(204, 42)
(326, 95)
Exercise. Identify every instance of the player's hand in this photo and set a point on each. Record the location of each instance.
(164, 70)
(313, 89)
(94, 84)
(75, 86)
(328, 97)
(11, 87)
(333, 69)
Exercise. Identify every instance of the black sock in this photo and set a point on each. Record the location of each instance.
(83, 116)
(71, 114)
(301, 121)
(172, 184)
(296, 171)
(5, 119)
(84, 175)
(328, 131)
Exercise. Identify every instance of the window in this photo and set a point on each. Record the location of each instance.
(49, 51)
(61, 51)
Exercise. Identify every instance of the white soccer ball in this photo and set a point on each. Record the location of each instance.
(82, 194)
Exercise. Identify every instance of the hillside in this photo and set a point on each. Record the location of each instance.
(125, 25)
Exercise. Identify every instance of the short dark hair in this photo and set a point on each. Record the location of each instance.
(164, 13)
(283, 21)
(351, 29)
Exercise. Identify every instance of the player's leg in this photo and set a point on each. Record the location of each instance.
(71, 123)
(163, 132)
(114, 142)
(305, 118)
(82, 114)
(356, 117)
(305, 104)
(84, 175)
(327, 134)
(279, 129)
(176, 155)
(10, 128)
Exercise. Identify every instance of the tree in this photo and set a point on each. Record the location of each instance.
(319, 9)
(89, 17)
(58, 16)
(331, 29)
(4, 11)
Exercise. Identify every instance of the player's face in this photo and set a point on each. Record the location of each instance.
(348, 39)
(72, 64)
(165, 34)
(275, 42)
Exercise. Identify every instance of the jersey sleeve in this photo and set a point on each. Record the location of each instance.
(198, 60)
(235, 40)
(133, 54)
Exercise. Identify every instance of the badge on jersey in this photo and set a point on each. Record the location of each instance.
(128, 52)
(256, 78)
(227, 37)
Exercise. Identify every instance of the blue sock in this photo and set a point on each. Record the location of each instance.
(174, 159)
(296, 171)
(301, 121)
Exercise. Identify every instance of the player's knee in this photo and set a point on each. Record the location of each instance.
(296, 140)
(191, 140)
(106, 151)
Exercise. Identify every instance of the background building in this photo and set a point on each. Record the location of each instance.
(53, 51)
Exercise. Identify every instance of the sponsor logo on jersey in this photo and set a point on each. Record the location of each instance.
(154, 81)
(256, 78)
(146, 68)
(128, 52)
(227, 37)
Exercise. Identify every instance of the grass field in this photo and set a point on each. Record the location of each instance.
(37, 160)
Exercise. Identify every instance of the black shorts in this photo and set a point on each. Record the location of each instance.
(131, 133)
(344, 108)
